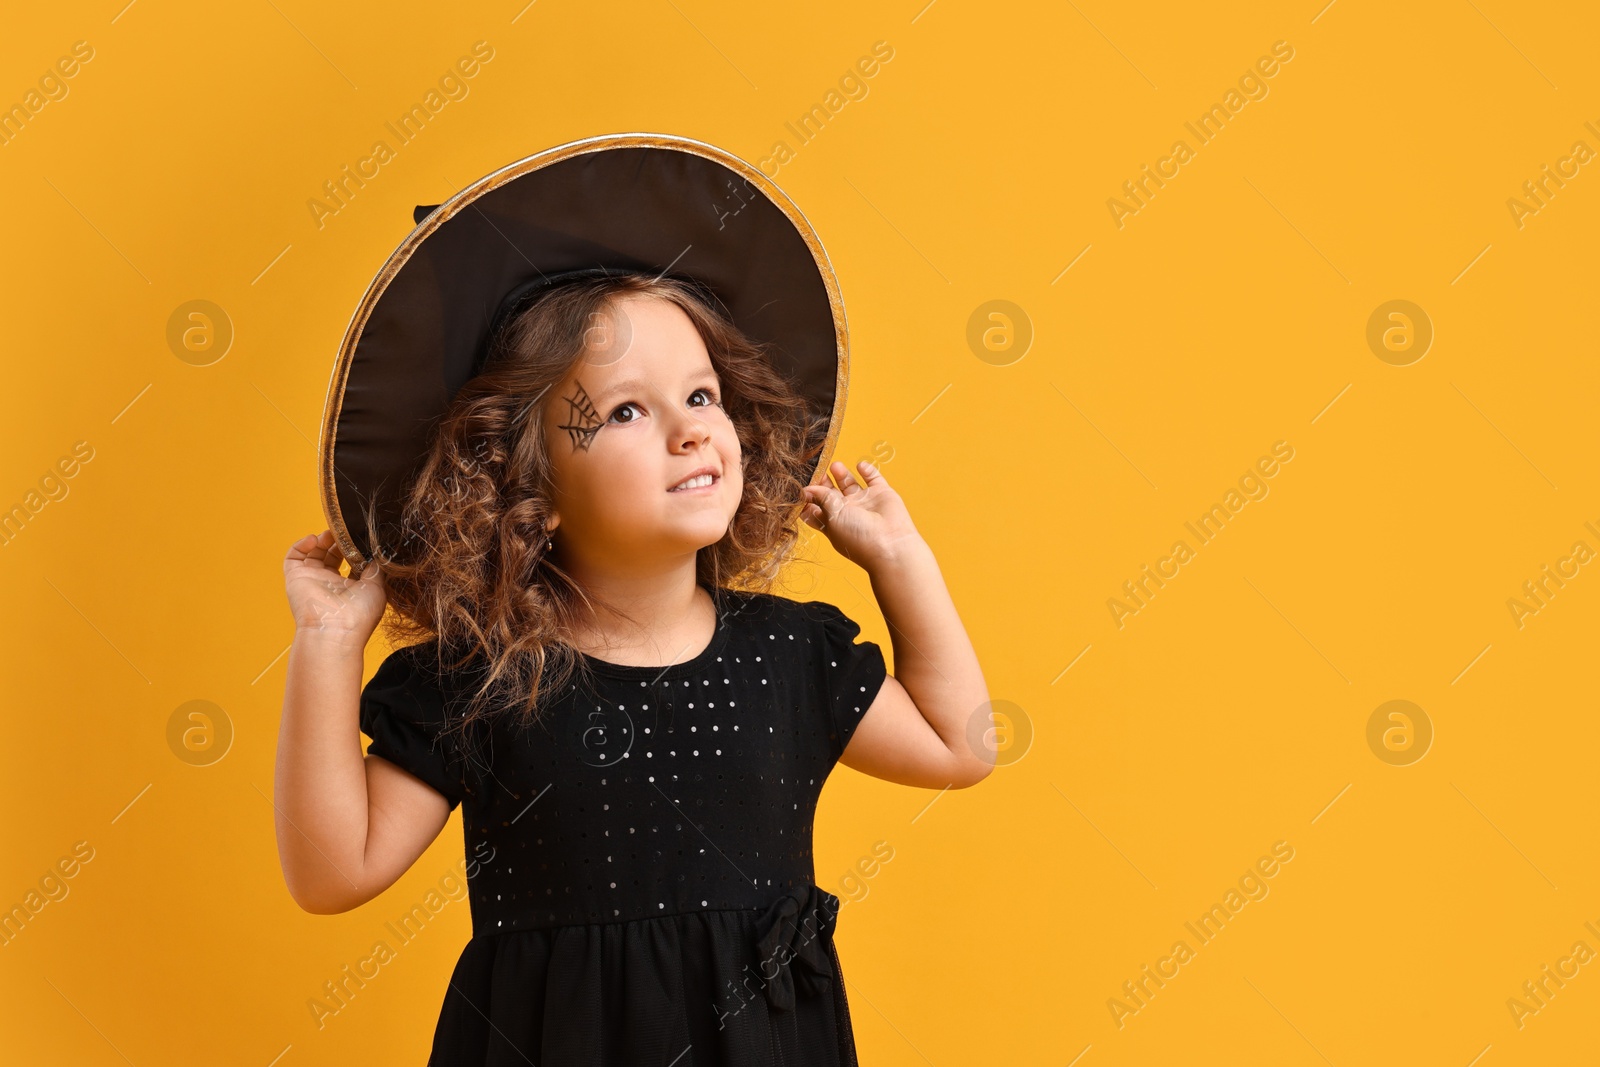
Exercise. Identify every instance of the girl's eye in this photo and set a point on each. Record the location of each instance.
(710, 401)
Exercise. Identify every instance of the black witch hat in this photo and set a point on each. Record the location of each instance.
(655, 203)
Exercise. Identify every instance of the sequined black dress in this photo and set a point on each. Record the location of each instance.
(640, 869)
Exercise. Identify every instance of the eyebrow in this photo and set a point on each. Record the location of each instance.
(630, 384)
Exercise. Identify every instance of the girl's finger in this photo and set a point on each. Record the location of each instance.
(297, 551)
(333, 556)
(825, 508)
(847, 482)
(871, 474)
(819, 491)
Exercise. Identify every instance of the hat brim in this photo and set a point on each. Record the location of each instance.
(652, 202)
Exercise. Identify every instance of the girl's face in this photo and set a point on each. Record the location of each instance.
(640, 413)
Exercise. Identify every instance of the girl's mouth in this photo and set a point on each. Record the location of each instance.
(695, 484)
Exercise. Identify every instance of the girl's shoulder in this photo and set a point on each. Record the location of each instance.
(427, 663)
(759, 606)
(814, 643)
(816, 622)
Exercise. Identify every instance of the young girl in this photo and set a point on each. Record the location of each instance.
(636, 727)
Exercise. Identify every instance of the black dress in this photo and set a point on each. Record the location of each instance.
(639, 866)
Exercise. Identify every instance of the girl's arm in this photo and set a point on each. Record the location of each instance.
(930, 724)
(348, 825)
(920, 729)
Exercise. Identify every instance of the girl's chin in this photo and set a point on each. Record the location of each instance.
(697, 532)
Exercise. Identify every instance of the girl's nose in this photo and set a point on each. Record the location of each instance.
(693, 430)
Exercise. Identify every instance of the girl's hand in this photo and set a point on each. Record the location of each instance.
(321, 598)
(866, 525)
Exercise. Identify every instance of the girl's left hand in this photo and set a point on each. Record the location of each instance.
(867, 524)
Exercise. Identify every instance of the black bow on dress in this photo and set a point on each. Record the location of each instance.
(797, 927)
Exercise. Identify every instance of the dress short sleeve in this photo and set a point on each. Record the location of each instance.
(403, 710)
(853, 672)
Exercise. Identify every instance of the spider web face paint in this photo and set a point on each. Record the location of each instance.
(586, 420)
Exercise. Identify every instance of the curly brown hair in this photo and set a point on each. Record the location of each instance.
(472, 572)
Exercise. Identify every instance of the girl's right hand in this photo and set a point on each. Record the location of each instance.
(320, 598)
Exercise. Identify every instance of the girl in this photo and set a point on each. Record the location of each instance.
(636, 727)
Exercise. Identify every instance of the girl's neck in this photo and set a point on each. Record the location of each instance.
(665, 627)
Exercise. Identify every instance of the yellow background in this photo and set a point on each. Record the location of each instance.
(1229, 313)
